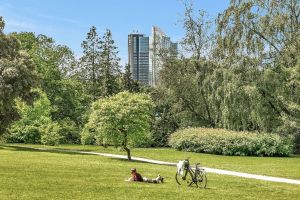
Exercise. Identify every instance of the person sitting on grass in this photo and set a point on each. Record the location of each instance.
(138, 177)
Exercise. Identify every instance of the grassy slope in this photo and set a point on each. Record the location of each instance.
(27, 174)
(272, 166)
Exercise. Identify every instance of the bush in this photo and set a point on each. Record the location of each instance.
(69, 132)
(88, 137)
(24, 134)
(220, 141)
(35, 125)
(50, 134)
(297, 143)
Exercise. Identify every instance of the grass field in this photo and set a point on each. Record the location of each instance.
(30, 174)
(286, 167)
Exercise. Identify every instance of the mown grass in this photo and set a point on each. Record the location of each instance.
(286, 167)
(30, 174)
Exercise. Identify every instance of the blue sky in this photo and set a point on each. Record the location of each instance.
(68, 21)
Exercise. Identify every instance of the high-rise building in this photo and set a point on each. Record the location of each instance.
(146, 57)
(160, 48)
(138, 57)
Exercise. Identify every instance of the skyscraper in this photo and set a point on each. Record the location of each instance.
(160, 47)
(146, 57)
(138, 57)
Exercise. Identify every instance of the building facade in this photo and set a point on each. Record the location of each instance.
(161, 48)
(147, 55)
(138, 57)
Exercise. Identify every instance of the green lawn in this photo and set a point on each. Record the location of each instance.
(30, 174)
(286, 167)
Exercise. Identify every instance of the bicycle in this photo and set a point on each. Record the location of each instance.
(191, 176)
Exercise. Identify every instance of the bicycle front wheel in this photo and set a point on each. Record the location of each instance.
(201, 180)
(184, 179)
(181, 179)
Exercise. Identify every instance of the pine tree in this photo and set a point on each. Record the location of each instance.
(110, 69)
(90, 62)
(128, 83)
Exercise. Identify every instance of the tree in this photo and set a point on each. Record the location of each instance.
(128, 83)
(198, 42)
(249, 79)
(2, 25)
(166, 117)
(90, 68)
(35, 124)
(198, 32)
(17, 76)
(181, 78)
(261, 36)
(109, 63)
(55, 65)
(122, 120)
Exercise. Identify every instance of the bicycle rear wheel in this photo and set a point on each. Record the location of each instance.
(201, 180)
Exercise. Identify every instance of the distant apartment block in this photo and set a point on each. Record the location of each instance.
(146, 56)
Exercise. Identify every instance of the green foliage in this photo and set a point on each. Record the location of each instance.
(99, 65)
(35, 124)
(17, 77)
(128, 83)
(109, 63)
(50, 134)
(243, 74)
(2, 24)
(165, 119)
(221, 141)
(90, 68)
(55, 64)
(121, 120)
(249, 79)
(69, 132)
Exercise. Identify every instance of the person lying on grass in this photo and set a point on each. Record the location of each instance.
(138, 177)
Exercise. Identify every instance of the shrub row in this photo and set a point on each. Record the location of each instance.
(220, 141)
(43, 131)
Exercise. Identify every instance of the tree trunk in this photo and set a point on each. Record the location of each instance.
(125, 145)
(128, 153)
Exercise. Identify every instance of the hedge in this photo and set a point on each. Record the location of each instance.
(225, 142)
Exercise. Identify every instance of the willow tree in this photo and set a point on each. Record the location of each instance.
(249, 78)
(187, 78)
(263, 37)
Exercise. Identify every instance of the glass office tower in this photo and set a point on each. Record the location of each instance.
(138, 57)
(161, 47)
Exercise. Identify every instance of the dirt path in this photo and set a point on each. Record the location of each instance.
(207, 169)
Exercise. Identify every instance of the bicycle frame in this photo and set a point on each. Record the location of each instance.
(193, 173)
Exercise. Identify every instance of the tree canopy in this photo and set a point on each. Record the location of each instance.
(122, 120)
(17, 76)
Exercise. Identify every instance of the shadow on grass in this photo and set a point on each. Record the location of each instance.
(63, 151)
(29, 149)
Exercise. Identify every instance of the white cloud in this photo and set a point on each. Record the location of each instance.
(17, 25)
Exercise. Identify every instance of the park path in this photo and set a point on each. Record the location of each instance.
(207, 169)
